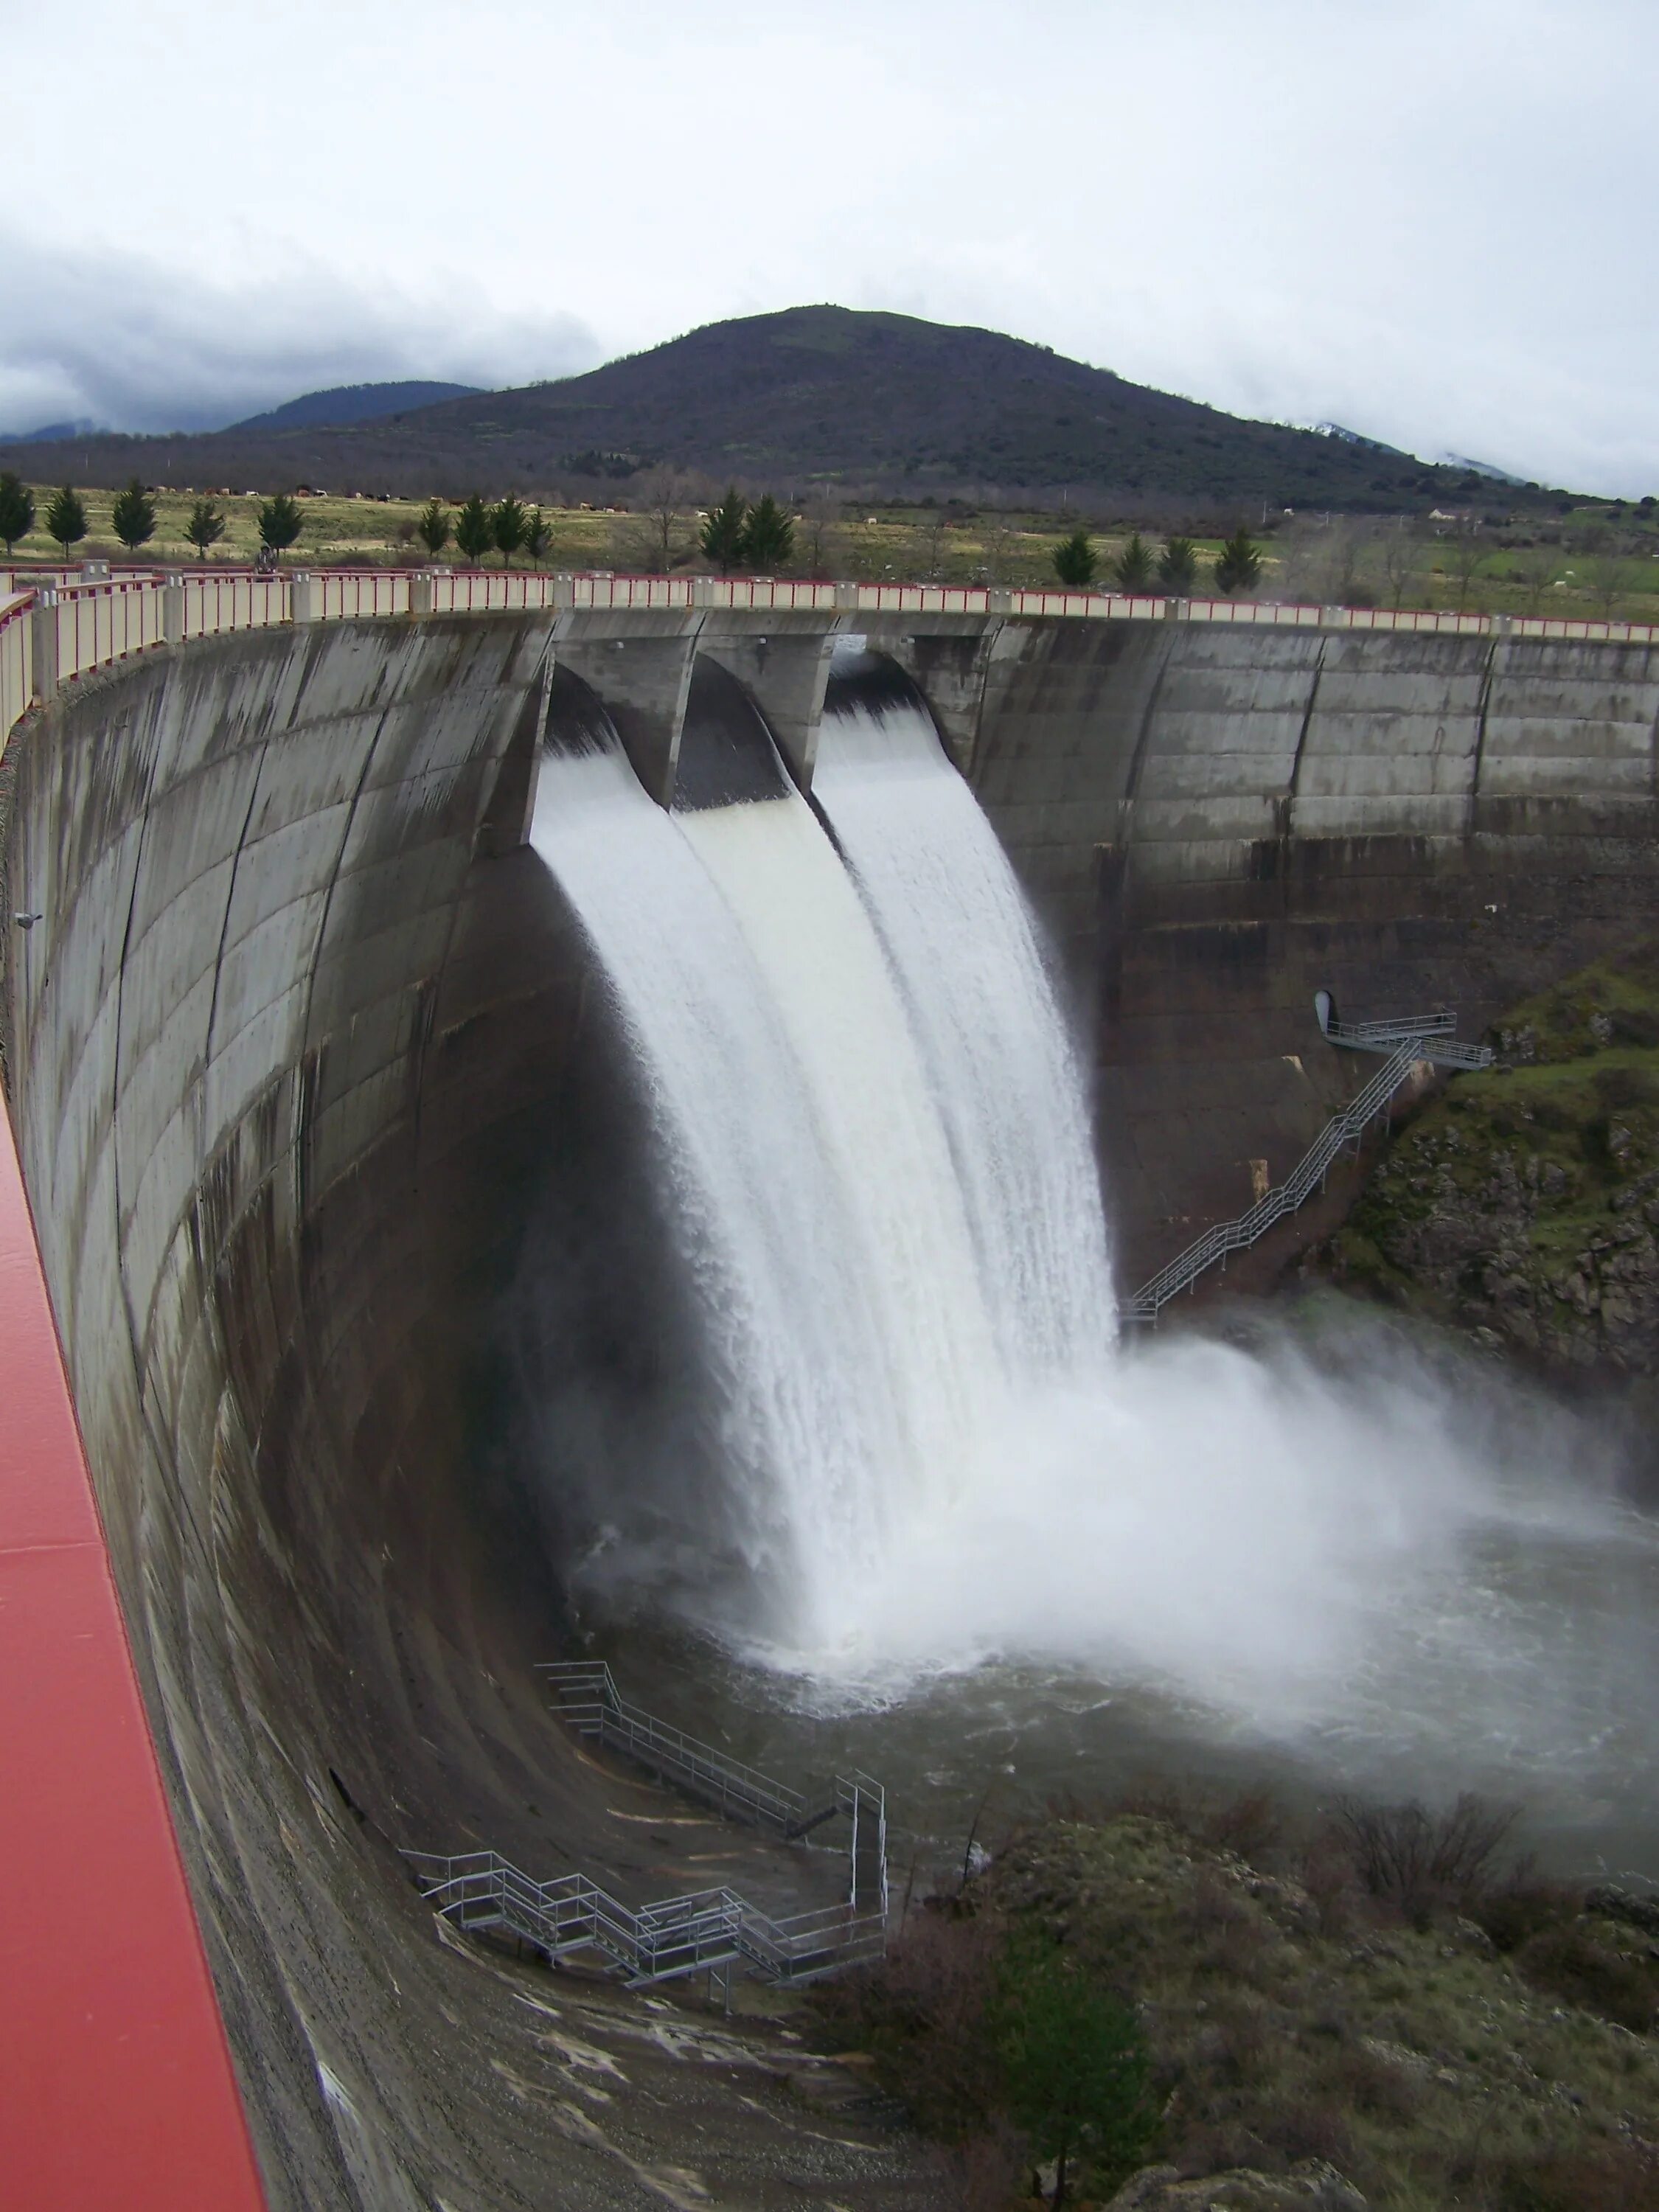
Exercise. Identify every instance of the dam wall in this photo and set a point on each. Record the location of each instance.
(1219, 821)
(277, 1050)
(296, 1025)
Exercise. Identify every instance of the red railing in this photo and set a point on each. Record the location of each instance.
(118, 2084)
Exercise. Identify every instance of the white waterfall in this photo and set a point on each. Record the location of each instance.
(886, 1208)
(804, 1425)
(1003, 1069)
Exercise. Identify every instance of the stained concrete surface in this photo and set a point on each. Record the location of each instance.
(282, 1057)
(301, 1037)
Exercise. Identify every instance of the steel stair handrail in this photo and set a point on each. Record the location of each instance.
(1426, 1037)
(661, 1941)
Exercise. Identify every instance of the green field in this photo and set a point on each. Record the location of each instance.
(1346, 563)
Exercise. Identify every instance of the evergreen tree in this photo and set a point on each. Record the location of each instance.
(279, 523)
(66, 518)
(432, 526)
(1133, 568)
(475, 530)
(769, 536)
(1076, 2070)
(507, 521)
(1076, 562)
(16, 509)
(723, 536)
(538, 537)
(205, 528)
(132, 518)
(1238, 564)
(1177, 567)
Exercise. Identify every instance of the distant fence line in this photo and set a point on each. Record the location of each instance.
(60, 625)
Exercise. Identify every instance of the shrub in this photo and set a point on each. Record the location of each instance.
(205, 528)
(279, 523)
(1076, 2071)
(1415, 1860)
(507, 522)
(16, 509)
(132, 518)
(66, 518)
(1177, 566)
(1521, 1909)
(769, 536)
(1133, 568)
(724, 535)
(538, 537)
(475, 530)
(432, 526)
(1075, 561)
(1625, 1087)
(923, 2015)
(1238, 564)
(1568, 1961)
(1609, 2178)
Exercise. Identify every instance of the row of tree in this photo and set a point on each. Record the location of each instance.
(132, 518)
(1174, 570)
(735, 534)
(477, 528)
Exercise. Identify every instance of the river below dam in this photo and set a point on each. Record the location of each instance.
(889, 1493)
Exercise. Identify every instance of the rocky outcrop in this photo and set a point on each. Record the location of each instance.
(1522, 1204)
(1309, 2186)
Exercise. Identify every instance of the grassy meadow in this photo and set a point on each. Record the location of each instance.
(1593, 568)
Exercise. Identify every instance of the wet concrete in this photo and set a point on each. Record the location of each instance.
(303, 1041)
(284, 1056)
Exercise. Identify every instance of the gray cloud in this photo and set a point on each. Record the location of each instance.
(131, 345)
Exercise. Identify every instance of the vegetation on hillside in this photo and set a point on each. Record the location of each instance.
(824, 395)
(1382, 2010)
(1523, 1201)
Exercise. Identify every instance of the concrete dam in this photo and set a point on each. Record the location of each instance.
(342, 1072)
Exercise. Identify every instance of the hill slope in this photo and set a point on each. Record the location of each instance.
(813, 393)
(354, 403)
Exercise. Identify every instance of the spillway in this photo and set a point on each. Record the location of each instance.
(871, 1145)
(982, 997)
(446, 1233)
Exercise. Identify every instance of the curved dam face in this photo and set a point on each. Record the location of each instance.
(279, 1056)
(307, 1035)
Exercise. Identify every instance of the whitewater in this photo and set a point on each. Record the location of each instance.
(872, 1142)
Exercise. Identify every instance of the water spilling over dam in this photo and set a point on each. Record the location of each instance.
(455, 1242)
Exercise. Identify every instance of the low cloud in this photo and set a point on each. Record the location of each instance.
(133, 345)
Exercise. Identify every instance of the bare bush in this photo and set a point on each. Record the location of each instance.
(1568, 1962)
(924, 2012)
(1417, 1860)
(1603, 2177)
(1249, 1823)
(985, 2173)
(1402, 556)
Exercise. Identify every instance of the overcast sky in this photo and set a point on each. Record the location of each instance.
(1431, 220)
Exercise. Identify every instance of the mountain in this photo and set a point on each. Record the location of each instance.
(810, 396)
(1479, 469)
(52, 434)
(353, 402)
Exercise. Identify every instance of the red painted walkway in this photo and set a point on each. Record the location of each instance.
(116, 2087)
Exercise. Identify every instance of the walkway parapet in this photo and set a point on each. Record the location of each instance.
(104, 619)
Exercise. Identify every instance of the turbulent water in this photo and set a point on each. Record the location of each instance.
(871, 1137)
(1002, 1068)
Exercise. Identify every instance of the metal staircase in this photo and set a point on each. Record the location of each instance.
(1404, 1043)
(704, 1932)
(712, 1929)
